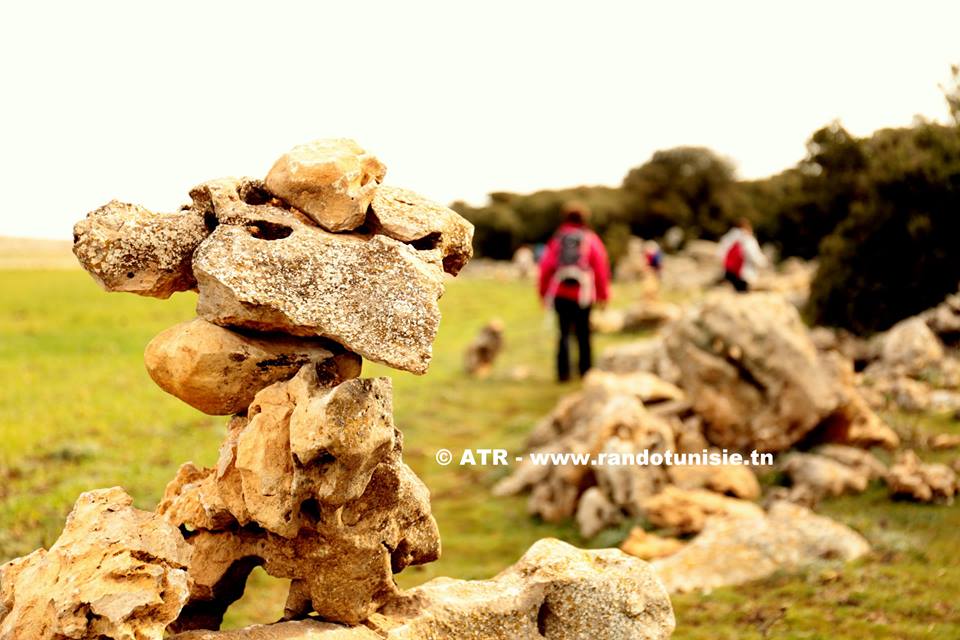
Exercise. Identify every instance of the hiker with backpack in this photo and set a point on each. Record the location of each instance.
(574, 275)
(741, 255)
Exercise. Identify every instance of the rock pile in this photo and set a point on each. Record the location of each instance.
(299, 278)
(737, 373)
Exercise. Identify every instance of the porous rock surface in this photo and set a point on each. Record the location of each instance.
(115, 572)
(374, 296)
(734, 550)
(218, 371)
(413, 219)
(126, 247)
(333, 181)
(310, 484)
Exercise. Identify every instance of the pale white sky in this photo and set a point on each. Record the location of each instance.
(140, 102)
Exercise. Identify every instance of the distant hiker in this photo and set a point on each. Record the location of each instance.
(654, 256)
(741, 255)
(574, 274)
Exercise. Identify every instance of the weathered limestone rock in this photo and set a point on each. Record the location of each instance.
(824, 476)
(409, 217)
(595, 512)
(128, 248)
(649, 546)
(245, 202)
(375, 296)
(292, 630)
(733, 550)
(910, 478)
(333, 181)
(555, 591)
(647, 387)
(640, 316)
(854, 422)
(751, 370)
(944, 319)
(861, 461)
(483, 349)
(734, 480)
(687, 510)
(115, 572)
(644, 355)
(219, 371)
(311, 485)
(910, 346)
(613, 428)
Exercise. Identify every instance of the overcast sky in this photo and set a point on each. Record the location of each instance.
(140, 102)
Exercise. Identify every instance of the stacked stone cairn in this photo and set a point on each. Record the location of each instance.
(300, 277)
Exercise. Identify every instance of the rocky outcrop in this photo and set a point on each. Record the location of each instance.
(115, 572)
(128, 248)
(409, 217)
(218, 371)
(910, 347)
(734, 550)
(374, 297)
(332, 181)
(823, 476)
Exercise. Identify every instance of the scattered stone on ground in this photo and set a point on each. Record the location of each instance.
(218, 371)
(823, 476)
(649, 546)
(115, 572)
(912, 479)
(734, 550)
(639, 316)
(643, 355)
(686, 510)
(333, 181)
(483, 350)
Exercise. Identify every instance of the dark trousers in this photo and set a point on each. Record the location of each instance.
(738, 283)
(576, 320)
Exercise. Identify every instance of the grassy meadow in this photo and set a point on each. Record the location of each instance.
(78, 412)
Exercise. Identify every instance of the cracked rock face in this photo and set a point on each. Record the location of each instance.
(374, 296)
(115, 572)
(126, 247)
(310, 485)
(752, 371)
(219, 371)
(332, 181)
(411, 218)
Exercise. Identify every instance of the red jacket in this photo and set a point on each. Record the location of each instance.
(595, 257)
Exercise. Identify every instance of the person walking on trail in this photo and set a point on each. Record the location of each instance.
(741, 256)
(574, 275)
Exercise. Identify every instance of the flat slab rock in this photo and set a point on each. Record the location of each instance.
(115, 572)
(733, 550)
(375, 296)
(555, 591)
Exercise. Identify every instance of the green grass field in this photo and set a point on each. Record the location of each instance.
(78, 412)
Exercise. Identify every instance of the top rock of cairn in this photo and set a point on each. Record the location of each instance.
(318, 250)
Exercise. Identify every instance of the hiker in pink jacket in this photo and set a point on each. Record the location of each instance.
(574, 274)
